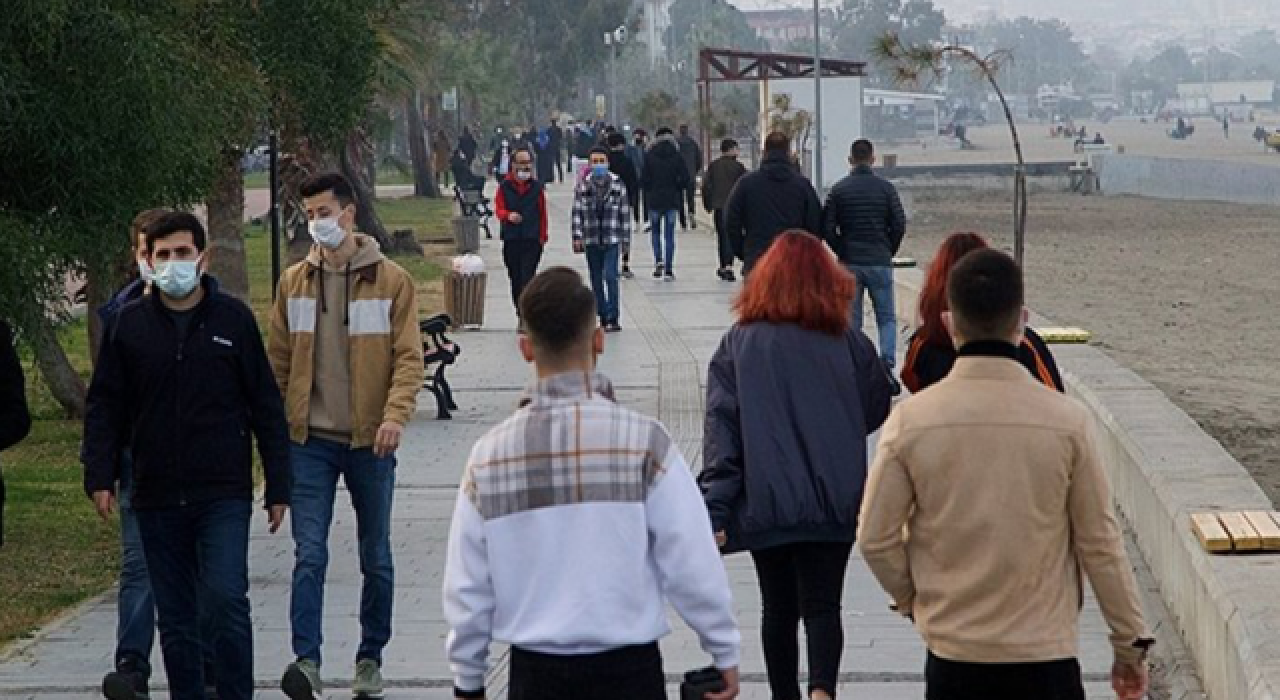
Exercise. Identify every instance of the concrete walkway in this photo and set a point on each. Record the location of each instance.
(658, 364)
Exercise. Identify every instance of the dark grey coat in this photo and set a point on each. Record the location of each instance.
(785, 446)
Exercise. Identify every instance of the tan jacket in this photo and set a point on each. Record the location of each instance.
(386, 346)
(1005, 497)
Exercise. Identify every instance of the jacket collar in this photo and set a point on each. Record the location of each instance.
(863, 170)
(569, 386)
(207, 281)
(989, 360)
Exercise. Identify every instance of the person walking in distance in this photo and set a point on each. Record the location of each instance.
(522, 209)
(576, 522)
(500, 163)
(665, 180)
(440, 156)
(691, 152)
(793, 391)
(182, 381)
(347, 352)
(1001, 484)
(636, 152)
(773, 199)
(620, 164)
(865, 224)
(722, 176)
(931, 354)
(601, 226)
(557, 145)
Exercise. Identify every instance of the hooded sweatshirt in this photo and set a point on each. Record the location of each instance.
(774, 199)
(665, 176)
(331, 382)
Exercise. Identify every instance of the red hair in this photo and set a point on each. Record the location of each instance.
(799, 281)
(933, 297)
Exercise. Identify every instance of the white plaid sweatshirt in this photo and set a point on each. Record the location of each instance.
(576, 521)
(601, 216)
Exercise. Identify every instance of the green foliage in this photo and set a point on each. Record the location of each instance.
(859, 24)
(1044, 52)
(699, 24)
(107, 107)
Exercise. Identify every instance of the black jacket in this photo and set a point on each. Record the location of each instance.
(773, 199)
(665, 177)
(723, 174)
(785, 446)
(927, 364)
(621, 165)
(185, 406)
(863, 221)
(15, 420)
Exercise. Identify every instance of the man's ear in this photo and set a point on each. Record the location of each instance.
(526, 348)
(206, 258)
(1023, 322)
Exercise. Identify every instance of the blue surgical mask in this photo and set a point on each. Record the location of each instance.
(600, 172)
(145, 273)
(177, 279)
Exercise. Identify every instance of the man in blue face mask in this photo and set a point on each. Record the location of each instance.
(183, 382)
(601, 227)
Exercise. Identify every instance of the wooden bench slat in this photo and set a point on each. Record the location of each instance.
(1267, 527)
(1213, 537)
(1243, 537)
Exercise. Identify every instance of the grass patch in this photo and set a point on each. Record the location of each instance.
(429, 218)
(57, 552)
(386, 176)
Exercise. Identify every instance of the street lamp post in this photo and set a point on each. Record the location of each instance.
(817, 95)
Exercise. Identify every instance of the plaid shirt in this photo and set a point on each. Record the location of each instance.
(569, 444)
(601, 217)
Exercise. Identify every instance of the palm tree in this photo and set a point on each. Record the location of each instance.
(909, 63)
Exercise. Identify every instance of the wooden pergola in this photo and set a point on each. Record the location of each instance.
(733, 66)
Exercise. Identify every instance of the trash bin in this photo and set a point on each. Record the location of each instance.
(466, 234)
(464, 298)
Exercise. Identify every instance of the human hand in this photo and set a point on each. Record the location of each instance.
(514, 217)
(105, 503)
(275, 516)
(731, 689)
(578, 246)
(1129, 680)
(721, 538)
(387, 440)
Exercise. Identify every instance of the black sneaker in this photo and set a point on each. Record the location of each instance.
(127, 682)
(727, 275)
(669, 275)
(612, 327)
(627, 274)
(657, 272)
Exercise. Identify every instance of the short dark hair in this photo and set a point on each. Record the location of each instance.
(728, 145)
(598, 149)
(616, 139)
(142, 222)
(173, 222)
(558, 310)
(985, 295)
(777, 141)
(330, 182)
(863, 151)
(664, 131)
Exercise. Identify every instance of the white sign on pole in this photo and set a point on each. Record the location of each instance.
(449, 101)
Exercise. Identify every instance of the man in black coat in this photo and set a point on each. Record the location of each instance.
(772, 200)
(183, 381)
(556, 146)
(691, 152)
(620, 164)
(15, 420)
(864, 224)
(721, 178)
(665, 180)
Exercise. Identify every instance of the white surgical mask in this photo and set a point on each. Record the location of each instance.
(178, 278)
(145, 272)
(327, 232)
(524, 175)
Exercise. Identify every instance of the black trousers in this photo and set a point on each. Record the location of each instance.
(802, 580)
(1049, 680)
(688, 207)
(629, 673)
(722, 239)
(521, 259)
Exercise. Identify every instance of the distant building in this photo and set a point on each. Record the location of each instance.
(1238, 92)
(654, 19)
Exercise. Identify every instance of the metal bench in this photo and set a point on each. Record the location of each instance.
(473, 203)
(440, 352)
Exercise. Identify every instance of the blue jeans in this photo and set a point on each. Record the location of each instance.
(657, 220)
(370, 480)
(135, 605)
(879, 282)
(602, 263)
(198, 556)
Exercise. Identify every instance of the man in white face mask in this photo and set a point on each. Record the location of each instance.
(182, 382)
(347, 353)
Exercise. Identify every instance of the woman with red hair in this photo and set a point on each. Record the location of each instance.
(930, 352)
(792, 394)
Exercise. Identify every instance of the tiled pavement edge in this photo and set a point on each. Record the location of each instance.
(658, 364)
